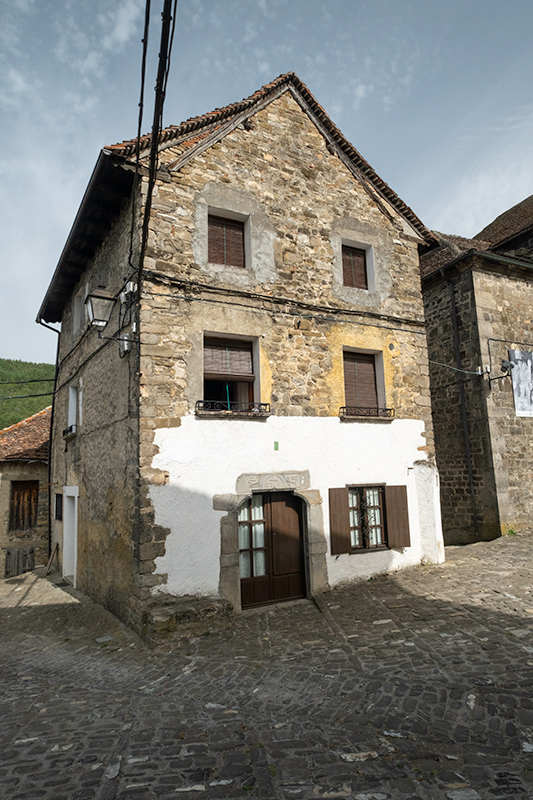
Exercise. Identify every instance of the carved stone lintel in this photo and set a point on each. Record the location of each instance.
(268, 481)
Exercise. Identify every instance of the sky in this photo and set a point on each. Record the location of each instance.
(435, 94)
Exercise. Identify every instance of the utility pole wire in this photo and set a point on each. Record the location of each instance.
(156, 128)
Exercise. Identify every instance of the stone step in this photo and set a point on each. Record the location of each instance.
(185, 617)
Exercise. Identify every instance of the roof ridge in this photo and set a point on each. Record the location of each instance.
(218, 115)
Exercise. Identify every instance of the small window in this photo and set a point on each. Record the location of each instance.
(226, 241)
(364, 386)
(74, 411)
(366, 518)
(59, 507)
(23, 508)
(228, 375)
(360, 389)
(354, 267)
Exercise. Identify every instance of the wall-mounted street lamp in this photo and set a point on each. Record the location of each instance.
(99, 307)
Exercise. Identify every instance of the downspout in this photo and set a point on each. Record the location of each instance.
(50, 450)
(462, 401)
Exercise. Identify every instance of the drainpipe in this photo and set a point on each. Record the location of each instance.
(50, 439)
(462, 402)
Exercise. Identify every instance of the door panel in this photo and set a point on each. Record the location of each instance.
(280, 549)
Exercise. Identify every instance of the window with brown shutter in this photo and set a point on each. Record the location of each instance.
(360, 389)
(225, 241)
(228, 374)
(23, 508)
(354, 268)
(366, 518)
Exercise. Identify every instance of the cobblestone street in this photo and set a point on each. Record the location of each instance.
(414, 685)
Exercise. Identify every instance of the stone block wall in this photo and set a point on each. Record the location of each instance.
(101, 459)
(504, 299)
(301, 202)
(464, 455)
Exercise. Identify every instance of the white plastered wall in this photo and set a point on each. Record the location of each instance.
(204, 457)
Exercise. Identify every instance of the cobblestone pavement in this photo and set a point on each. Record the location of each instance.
(415, 685)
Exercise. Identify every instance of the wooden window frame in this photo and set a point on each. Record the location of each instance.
(227, 240)
(23, 505)
(395, 519)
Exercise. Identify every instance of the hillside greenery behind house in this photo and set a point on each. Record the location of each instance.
(11, 372)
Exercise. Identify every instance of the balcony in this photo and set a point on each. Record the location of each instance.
(226, 409)
(366, 412)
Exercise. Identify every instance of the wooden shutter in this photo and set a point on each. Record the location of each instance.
(23, 510)
(225, 241)
(360, 380)
(228, 359)
(339, 521)
(354, 267)
(397, 516)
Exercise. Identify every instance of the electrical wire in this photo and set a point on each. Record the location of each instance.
(456, 369)
(32, 380)
(24, 396)
(139, 127)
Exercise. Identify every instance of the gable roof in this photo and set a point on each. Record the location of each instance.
(511, 223)
(493, 239)
(450, 248)
(28, 439)
(194, 130)
(110, 184)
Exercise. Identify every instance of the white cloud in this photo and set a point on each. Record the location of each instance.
(495, 171)
(123, 20)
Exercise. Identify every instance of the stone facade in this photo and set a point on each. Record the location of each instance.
(24, 538)
(161, 485)
(478, 309)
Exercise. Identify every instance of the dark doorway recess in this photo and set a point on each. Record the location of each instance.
(271, 550)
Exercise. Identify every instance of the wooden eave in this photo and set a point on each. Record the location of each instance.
(110, 185)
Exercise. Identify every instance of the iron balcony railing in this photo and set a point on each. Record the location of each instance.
(366, 411)
(231, 407)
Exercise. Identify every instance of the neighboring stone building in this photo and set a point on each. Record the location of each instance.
(260, 430)
(24, 493)
(478, 297)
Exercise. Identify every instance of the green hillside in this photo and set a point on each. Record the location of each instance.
(12, 411)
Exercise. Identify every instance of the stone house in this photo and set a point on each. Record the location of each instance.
(478, 298)
(253, 423)
(24, 493)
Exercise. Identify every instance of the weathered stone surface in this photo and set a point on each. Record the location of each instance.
(288, 701)
(493, 316)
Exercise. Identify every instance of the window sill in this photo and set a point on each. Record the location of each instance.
(216, 410)
(69, 433)
(349, 413)
(356, 550)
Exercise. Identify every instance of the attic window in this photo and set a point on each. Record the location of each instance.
(354, 267)
(226, 241)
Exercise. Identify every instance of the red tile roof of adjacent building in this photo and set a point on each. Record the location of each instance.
(28, 439)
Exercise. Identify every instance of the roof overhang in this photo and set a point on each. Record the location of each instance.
(110, 184)
(480, 254)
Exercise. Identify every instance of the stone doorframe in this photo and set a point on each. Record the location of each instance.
(315, 546)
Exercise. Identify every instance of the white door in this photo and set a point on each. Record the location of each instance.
(70, 532)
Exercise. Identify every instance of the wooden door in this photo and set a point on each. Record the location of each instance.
(271, 550)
